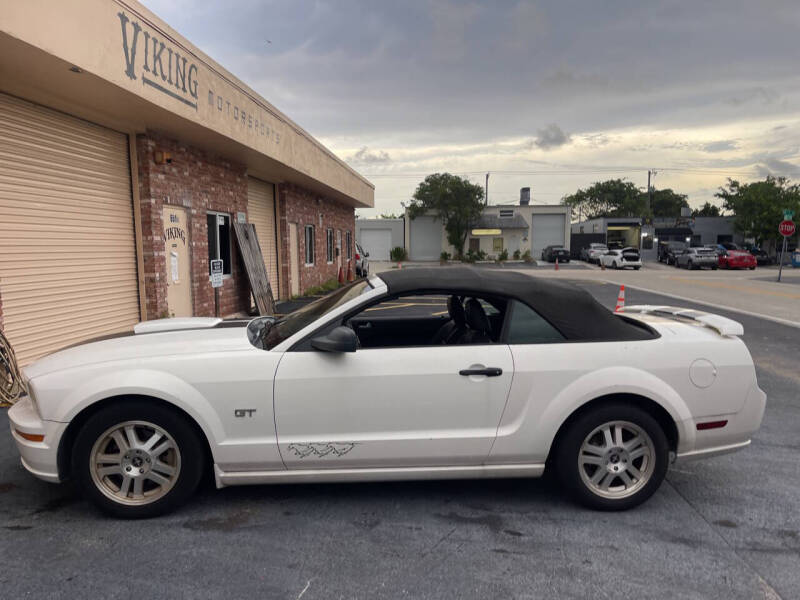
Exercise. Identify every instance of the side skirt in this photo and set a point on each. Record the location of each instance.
(394, 474)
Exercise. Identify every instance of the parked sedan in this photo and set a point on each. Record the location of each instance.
(733, 257)
(762, 258)
(553, 253)
(697, 258)
(621, 259)
(361, 385)
(593, 252)
(362, 264)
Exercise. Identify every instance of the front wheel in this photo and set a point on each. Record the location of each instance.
(612, 458)
(137, 459)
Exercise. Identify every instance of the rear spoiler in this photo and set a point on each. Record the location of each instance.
(721, 325)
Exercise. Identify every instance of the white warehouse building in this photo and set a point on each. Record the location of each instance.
(510, 227)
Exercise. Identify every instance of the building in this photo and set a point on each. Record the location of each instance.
(379, 236)
(510, 227)
(126, 156)
(645, 234)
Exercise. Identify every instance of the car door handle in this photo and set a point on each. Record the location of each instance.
(489, 372)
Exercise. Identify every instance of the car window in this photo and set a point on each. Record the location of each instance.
(526, 326)
(267, 332)
(424, 320)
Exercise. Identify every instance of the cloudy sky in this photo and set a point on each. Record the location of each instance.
(552, 95)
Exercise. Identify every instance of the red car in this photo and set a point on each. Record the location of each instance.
(733, 257)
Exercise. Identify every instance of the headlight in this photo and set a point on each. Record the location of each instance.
(12, 384)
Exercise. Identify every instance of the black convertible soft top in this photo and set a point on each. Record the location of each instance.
(570, 309)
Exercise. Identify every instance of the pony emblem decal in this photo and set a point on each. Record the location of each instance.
(321, 449)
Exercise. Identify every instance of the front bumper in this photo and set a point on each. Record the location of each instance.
(40, 458)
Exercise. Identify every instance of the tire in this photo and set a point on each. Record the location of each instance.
(690, 266)
(752, 268)
(713, 267)
(651, 460)
(615, 265)
(636, 268)
(180, 463)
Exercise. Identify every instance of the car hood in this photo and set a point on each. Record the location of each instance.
(164, 337)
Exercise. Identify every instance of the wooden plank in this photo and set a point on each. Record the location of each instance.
(253, 259)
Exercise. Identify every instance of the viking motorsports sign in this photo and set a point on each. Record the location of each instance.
(169, 73)
(160, 64)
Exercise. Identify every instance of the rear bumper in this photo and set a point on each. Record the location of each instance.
(736, 434)
(40, 458)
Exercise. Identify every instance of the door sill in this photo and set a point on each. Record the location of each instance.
(224, 478)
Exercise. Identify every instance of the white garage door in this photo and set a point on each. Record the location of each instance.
(548, 230)
(261, 213)
(425, 238)
(67, 246)
(378, 242)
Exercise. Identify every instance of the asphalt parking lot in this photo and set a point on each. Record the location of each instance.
(727, 527)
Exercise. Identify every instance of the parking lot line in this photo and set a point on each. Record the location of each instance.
(737, 288)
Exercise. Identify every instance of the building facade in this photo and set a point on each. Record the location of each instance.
(511, 227)
(380, 236)
(127, 157)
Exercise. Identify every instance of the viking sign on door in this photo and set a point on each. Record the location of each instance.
(176, 251)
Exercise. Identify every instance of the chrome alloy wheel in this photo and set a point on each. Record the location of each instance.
(616, 459)
(135, 462)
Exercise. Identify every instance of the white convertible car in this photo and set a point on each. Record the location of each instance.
(413, 374)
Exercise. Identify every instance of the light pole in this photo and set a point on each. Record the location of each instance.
(486, 191)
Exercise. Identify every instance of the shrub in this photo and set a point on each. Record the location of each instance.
(526, 256)
(398, 253)
(444, 257)
(516, 254)
(503, 256)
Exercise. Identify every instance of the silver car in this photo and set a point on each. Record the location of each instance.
(697, 258)
(361, 262)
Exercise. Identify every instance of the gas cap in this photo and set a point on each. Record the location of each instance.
(702, 373)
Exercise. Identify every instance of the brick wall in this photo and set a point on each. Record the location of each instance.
(298, 205)
(199, 182)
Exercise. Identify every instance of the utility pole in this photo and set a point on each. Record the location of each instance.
(486, 191)
(650, 172)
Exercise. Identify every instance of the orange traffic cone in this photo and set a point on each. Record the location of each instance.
(350, 271)
(341, 275)
(620, 299)
(556, 263)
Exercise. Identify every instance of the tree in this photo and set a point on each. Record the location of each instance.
(758, 207)
(707, 210)
(667, 203)
(455, 200)
(611, 198)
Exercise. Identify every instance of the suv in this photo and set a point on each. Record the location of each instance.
(555, 253)
(697, 258)
(667, 251)
(593, 252)
(362, 264)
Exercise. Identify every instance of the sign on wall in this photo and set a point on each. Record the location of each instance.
(216, 273)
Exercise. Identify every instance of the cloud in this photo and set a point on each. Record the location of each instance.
(779, 168)
(367, 157)
(551, 137)
(720, 146)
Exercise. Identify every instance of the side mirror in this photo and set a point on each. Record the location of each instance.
(366, 254)
(341, 339)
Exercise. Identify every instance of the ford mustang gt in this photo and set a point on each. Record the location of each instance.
(426, 373)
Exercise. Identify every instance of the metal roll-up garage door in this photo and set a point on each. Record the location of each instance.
(548, 230)
(261, 213)
(67, 246)
(425, 238)
(378, 242)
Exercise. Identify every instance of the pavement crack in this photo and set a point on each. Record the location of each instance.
(769, 592)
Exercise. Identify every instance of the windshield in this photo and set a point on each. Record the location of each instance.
(267, 332)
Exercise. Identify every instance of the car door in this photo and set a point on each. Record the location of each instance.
(385, 406)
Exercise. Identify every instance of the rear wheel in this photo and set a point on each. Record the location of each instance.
(613, 458)
(137, 459)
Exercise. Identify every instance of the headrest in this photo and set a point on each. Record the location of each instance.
(476, 316)
(456, 310)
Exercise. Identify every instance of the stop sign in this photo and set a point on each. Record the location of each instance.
(786, 228)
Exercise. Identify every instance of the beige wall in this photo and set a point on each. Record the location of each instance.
(100, 36)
